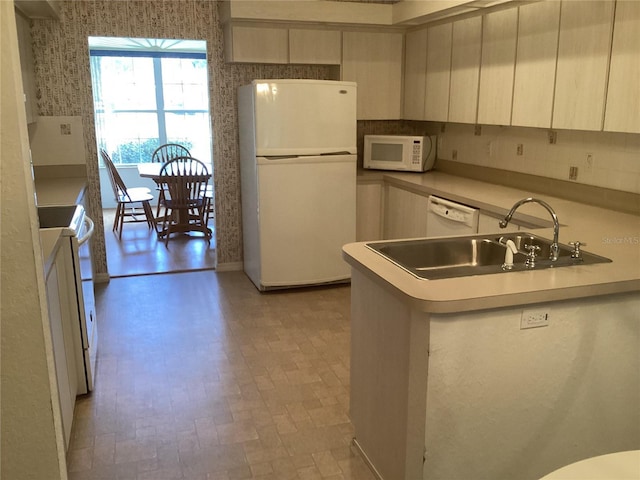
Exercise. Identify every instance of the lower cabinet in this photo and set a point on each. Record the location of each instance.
(60, 319)
(369, 211)
(405, 213)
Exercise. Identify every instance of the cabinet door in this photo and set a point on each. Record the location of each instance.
(583, 59)
(415, 65)
(256, 44)
(405, 214)
(374, 61)
(61, 323)
(465, 70)
(369, 212)
(623, 94)
(436, 98)
(319, 47)
(497, 66)
(535, 72)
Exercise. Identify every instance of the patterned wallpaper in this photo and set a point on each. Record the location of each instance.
(64, 88)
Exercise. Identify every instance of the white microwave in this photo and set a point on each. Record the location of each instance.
(399, 152)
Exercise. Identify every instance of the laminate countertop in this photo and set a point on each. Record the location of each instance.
(56, 191)
(608, 233)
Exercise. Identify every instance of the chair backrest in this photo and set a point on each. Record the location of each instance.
(168, 151)
(185, 180)
(117, 184)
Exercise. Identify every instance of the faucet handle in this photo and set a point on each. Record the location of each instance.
(533, 250)
(576, 248)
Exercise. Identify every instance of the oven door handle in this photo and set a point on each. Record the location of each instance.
(89, 225)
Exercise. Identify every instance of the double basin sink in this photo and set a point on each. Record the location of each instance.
(437, 258)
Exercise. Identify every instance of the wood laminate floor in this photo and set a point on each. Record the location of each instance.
(200, 376)
(140, 252)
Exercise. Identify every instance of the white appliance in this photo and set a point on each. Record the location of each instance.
(77, 229)
(446, 218)
(298, 172)
(399, 152)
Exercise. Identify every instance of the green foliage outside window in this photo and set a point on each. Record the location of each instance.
(140, 152)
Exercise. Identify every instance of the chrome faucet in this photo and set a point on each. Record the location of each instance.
(553, 256)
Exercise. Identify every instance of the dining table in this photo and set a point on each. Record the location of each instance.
(152, 171)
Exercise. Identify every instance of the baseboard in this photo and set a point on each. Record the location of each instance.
(101, 278)
(229, 267)
(355, 446)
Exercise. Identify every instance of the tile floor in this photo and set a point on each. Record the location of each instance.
(200, 376)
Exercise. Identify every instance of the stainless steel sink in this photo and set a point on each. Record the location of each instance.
(436, 258)
(56, 216)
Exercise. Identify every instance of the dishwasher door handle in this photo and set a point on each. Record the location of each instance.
(453, 212)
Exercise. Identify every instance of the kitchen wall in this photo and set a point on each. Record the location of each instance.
(64, 88)
(614, 161)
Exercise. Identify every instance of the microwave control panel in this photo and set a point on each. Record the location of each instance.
(416, 158)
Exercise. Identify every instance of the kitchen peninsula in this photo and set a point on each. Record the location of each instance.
(446, 384)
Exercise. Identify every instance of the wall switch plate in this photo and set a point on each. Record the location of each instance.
(520, 149)
(477, 130)
(553, 137)
(534, 318)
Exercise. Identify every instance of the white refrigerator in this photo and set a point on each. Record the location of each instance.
(298, 174)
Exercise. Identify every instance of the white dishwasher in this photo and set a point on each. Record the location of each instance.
(446, 218)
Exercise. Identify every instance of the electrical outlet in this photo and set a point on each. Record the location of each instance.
(454, 155)
(589, 164)
(534, 318)
(520, 150)
(553, 137)
(477, 131)
(573, 173)
(489, 148)
(65, 129)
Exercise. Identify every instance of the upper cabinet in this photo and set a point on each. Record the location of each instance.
(623, 94)
(374, 61)
(320, 47)
(415, 60)
(256, 44)
(497, 67)
(438, 76)
(465, 70)
(247, 43)
(583, 61)
(535, 72)
(39, 8)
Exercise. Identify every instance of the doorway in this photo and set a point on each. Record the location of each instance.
(149, 92)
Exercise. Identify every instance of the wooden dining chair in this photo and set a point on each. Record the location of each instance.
(128, 200)
(210, 205)
(163, 154)
(184, 180)
(168, 151)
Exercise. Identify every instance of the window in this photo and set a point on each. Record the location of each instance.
(149, 92)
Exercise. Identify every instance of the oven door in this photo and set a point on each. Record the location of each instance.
(86, 303)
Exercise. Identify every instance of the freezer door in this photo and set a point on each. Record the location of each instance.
(304, 117)
(307, 212)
